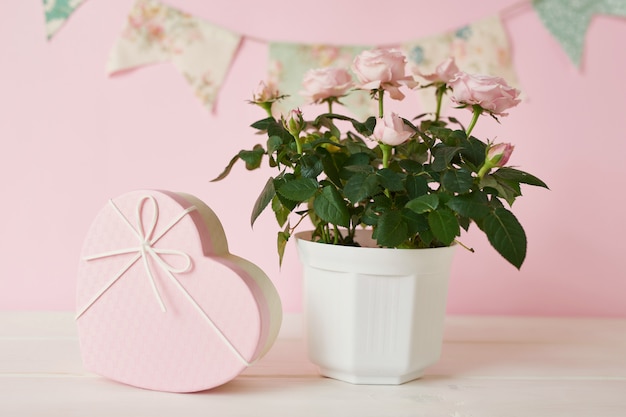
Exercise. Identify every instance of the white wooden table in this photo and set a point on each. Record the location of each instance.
(490, 367)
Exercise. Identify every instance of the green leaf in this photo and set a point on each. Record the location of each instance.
(325, 121)
(424, 203)
(443, 156)
(360, 186)
(391, 180)
(273, 144)
(511, 185)
(444, 225)
(369, 217)
(227, 170)
(456, 121)
(252, 158)
(513, 174)
(457, 180)
(354, 144)
(281, 212)
(264, 123)
(275, 128)
(357, 162)
(441, 133)
(381, 202)
(506, 235)
(503, 189)
(416, 222)
(411, 166)
(311, 166)
(392, 230)
(359, 168)
(495, 202)
(464, 222)
(426, 237)
(367, 128)
(455, 138)
(508, 191)
(416, 185)
(281, 243)
(267, 194)
(474, 151)
(300, 189)
(279, 182)
(360, 158)
(488, 181)
(332, 163)
(331, 208)
(363, 128)
(474, 205)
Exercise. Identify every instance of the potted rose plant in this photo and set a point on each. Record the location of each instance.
(387, 198)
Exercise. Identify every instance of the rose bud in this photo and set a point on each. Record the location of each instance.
(294, 122)
(498, 155)
(391, 130)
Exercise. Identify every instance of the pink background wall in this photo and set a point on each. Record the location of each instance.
(73, 137)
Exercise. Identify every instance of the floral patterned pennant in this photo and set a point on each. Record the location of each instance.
(57, 12)
(568, 20)
(201, 51)
(481, 47)
(289, 62)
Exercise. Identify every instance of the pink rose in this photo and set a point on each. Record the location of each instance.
(265, 93)
(491, 93)
(323, 83)
(382, 68)
(498, 155)
(443, 73)
(391, 130)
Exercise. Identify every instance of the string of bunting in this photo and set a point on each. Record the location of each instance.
(203, 52)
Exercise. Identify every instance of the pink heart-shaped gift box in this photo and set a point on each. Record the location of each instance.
(162, 304)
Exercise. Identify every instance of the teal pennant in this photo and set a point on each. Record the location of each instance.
(57, 12)
(568, 20)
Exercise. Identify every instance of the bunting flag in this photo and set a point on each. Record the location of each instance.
(568, 20)
(203, 52)
(157, 33)
(288, 63)
(481, 47)
(57, 12)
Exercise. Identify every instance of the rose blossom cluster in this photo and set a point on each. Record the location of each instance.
(414, 183)
(384, 70)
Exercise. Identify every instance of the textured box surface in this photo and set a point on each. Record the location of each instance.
(161, 302)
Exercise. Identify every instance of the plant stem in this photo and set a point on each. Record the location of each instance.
(381, 94)
(463, 246)
(386, 154)
(326, 233)
(298, 145)
(440, 91)
(330, 106)
(267, 106)
(387, 149)
(477, 112)
(484, 169)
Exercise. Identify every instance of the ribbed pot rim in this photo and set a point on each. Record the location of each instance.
(372, 260)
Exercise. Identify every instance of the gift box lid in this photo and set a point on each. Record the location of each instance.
(162, 304)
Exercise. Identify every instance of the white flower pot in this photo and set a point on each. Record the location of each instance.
(373, 315)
